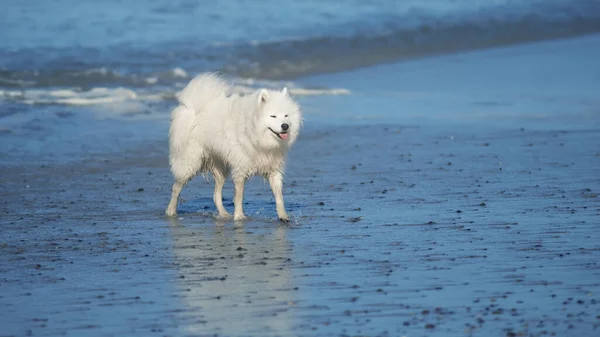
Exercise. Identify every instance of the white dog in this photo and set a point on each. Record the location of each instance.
(238, 135)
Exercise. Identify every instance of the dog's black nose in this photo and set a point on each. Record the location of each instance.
(284, 127)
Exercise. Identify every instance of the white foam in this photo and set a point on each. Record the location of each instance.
(94, 96)
(242, 89)
(101, 71)
(248, 85)
(126, 102)
(63, 93)
(319, 92)
(178, 72)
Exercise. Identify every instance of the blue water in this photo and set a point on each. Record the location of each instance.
(62, 61)
(83, 44)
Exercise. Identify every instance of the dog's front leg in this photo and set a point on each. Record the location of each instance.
(276, 182)
(238, 199)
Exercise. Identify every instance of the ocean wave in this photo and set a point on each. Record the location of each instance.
(380, 38)
(120, 95)
(87, 78)
(93, 96)
(413, 36)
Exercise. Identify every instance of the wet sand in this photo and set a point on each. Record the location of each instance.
(397, 230)
(400, 227)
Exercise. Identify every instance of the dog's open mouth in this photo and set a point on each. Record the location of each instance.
(283, 135)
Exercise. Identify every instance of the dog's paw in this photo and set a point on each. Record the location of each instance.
(284, 218)
(170, 212)
(224, 216)
(240, 218)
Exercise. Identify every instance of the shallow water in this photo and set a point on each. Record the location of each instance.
(85, 44)
(453, 195)
(463, 232)
(118, 60)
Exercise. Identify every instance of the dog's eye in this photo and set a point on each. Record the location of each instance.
(286, 115)
(273, 116)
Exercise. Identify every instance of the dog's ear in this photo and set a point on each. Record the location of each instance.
(285, 91)
(263, 96)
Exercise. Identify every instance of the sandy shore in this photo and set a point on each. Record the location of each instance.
(403, 225)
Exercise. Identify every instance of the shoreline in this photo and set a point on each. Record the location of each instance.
(435, 217)
(548, 84)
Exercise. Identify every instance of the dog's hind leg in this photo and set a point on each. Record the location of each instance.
(275, 180)
(183, 171)
(172, 208)
(218, 195)
(238, 199)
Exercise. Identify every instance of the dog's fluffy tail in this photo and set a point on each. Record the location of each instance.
(182, 123)
(202, 90)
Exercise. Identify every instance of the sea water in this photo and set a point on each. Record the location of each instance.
(133, 54)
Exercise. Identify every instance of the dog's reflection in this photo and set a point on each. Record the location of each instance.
(233, 281)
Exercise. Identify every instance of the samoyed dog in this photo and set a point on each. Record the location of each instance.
(214, 131)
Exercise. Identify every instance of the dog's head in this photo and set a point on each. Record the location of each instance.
(279, 118)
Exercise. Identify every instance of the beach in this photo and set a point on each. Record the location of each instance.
(454, 195)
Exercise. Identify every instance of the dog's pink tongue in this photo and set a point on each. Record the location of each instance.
(283, 136)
